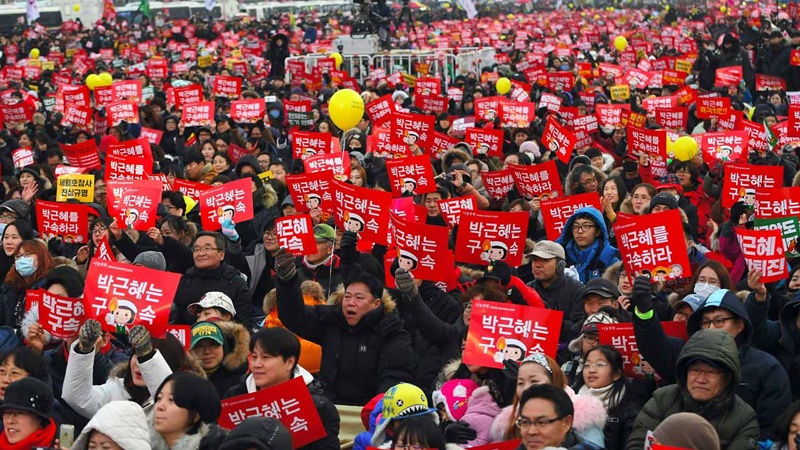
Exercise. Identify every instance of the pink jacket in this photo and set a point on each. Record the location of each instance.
(481, 411)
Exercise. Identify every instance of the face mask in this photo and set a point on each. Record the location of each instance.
(25, 266)
(564, 67)
(705, 289)
(274, 113)
(607, 129)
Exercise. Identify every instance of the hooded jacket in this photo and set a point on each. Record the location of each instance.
(123, 422)
(593, 261)
(763, 380)
(734, 420)
(780, 338)
(481, 411)
(358, 362)
(310, 353)
(234, 363)
(207, 437)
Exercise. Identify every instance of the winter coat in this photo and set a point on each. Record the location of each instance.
(571, 442)
(328, 275)
(780, 338)
(691, 215)
(196, 282)
(363, 439)
(261, 264)
(587, 422)
(86, 399)
(310, 353)
(763, 380)
(234, 365)
(621, 417)
(357, 362)
(12, 304)
(593, 261)
(481, 412)
(734, 420)
(564, 294)
(123, 422)
(702, 204)
(207, 437)
(178, 256)
(328, 413)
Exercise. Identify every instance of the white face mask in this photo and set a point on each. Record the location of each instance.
(705, 289)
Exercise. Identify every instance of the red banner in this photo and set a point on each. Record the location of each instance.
(431, 103)
(486, 108)
(128, 90)
(60, 316)
(413, 129)
(183, 333)
(708, 107)
(610, 115)
(188, 95)
(487, 236)
(362, 210)
(769, 83)
(336, 163)
(22, 157)
(763, 250)
(452, 208)
(310, 143)
(134, 203)
(672, 118)
(190, 189)
(517, 114)
(230, 87)
(427, 86)
(778, 203)
(67, 221)
(380, 111)
(485, 141)
(296, 234)
(121, 296)
(556, 211)
(440, 144)
(558, 139)
(654, 245)
(728, 76)
(621, 337)
(498, 183)
(311, 190)
(423, 249)
(233, 201)
(724, 146)
(248, 111)
(18, 113)
(152, 136)
(77, 116)
(742, 180)
(289, 402)
(540, 181)
(795, 58)
(124, 111)
(793, 125)
(501, 331)
(411, 176)
(644, 141)
(104, 252)
(198, 114)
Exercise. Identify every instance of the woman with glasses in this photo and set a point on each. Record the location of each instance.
(98, 230)
(546, 418)
(419, 433)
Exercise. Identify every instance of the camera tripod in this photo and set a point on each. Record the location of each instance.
(406, 17)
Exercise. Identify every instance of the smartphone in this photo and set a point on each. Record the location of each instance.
(66, 435)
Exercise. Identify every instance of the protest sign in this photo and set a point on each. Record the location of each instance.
(556, 211)
(182, 333)
(654, 245)
(75, 186)
(337, 163)
(498, 182)
(226, 205)
(134, 203)
(422, 249)
(763, 250)
(451, 208)
(790, 230)
(69, 222)
(60, 316)
(724, 146)
(778, 202)
(488, 236)
(200, 114)
(622, 337)
(311, 190)
(296, 234)
(485, 142)
(248, 111)
(83, 154)
(363, 211)
(742, 180)
(310, 143)
(540, 181)
(558, 139)
(190, 189)
(411, 176)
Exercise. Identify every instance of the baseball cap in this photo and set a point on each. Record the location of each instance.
(590, 327)
(323, 232)
(602, 287)
(548, 250)
(206, 330)
(213, 299)
(693, 300)
(670, 181)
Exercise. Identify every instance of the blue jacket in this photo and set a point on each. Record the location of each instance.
(362, 440)
(592, 262)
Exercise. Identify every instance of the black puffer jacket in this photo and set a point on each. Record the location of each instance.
(357, 362)
(196, 282)
(780, 338)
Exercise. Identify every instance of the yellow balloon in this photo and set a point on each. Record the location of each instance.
(503, 86)
(76, 7)
(666, 8)
(722, 9)
(93, 80)
(620, 43)
(105, 79)
(346, 109)
(684, 149)
(597, 17)
(571, 6)
(337, 57)
(34, 53)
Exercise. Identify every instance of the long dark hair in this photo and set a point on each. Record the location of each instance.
(780, 429)
(614, 359)
(177, 359)
(422, 431)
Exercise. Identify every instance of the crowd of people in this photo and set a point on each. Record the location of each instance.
(261, 316)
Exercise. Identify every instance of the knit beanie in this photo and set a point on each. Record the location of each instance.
(152, 260)
(260, 433)
(687, 430)
(664, 198)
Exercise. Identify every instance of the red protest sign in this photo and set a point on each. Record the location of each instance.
(183, 333)
(440, 144)
(501, 331)
(289, 402)
(778, 203)
(558, 139)
(311, 190)
(672, 118)
(763, 250)
(486, 108)
(622, 337)
(76, 116)
(487, 236)
(556, 211)
(728, 76)
(769, 83)
(431, 103)
(610, 115)
(517, 114)
(103, 95)
(310, 143)
(422, 249)
(411, 176)
(643, 141)
(60, 316)
(537, 181)
(19, 113)
(232, 202)
(380, 111)
(134, 203)
(296, 234)
(654, 244)
(427, 86)
(795, 58)
(498, 183)
(22, 157)
(413, 129)
(198, 114)
(724, 146)
(363, 211)
(188, 95)
(451, 208)
(126, 90)
(66, 221)
(742, 180)
(190, 189)
(336, 163)
(382, 143)
(248, 111)
(225, 86)
(104, 252)
(68, 94)
(152, 136)
(793, 124)
(121, 296)
(506, 445)
(708, 107)
(124, 111)
(485, 141)
(127, 168)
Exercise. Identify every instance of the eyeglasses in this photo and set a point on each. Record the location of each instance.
(589, 182)
(718, 323)
(590, 339)
(270, 234)
(407, 447)
(8, 216)
(468, 306)
(708, 373)
(596, 366)
(24, 255)
(204, 249)
(99, 230)
(524, 424)
(582, 228)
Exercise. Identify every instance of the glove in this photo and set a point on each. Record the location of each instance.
(88, 335)
(459, 433)
(229, 230)
(405, 283)
(284, 265)
(141, 341)
(510, 370)
(54, 246)
(502, 270)
(347, 245)
(642, 297)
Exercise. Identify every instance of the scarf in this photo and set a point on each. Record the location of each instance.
(582, 258)
(602, 394)
(315, 266)
(43, 437)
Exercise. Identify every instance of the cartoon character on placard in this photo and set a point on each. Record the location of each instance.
(409, 185)
(494, 251)
(661, 274)
(515, 350)
(131, 216)
(483, 148)
(308, 152)
(122, 315)
(676, 272)
(748, 196)
(313, 201)
(407, 260)
(724, 152)
(225, 214)
(490, 115)
(642, 367)
(353, 222)
(411, 138)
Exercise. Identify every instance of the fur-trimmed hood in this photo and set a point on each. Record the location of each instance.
(120, 369)
(448, 156)
(237, 341)
(568, 190)
(313, 294)
(389, 305)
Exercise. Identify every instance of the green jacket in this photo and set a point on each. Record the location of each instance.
(734, 420)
